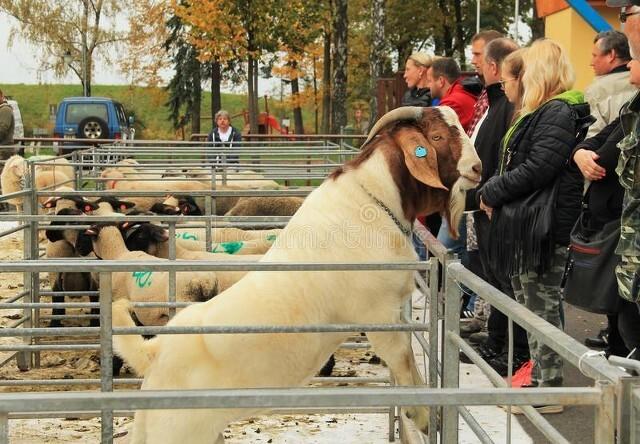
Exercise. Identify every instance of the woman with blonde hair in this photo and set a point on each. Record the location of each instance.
(512, 71)
(535, 198)
(415, 75)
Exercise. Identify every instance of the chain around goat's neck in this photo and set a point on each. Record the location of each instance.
(405, 231)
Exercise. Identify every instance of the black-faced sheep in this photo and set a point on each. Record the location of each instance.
(421, 163)
(106, 241)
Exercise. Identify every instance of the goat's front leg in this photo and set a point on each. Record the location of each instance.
(395, 349)
(57, 299)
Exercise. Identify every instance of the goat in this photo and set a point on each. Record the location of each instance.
(416, 161)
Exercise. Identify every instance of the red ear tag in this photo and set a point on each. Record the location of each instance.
(123, 207)
(48, 204)
(87, 208)
(125, 225)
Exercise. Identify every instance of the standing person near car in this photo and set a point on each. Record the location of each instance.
(225, 135)
(7, 125)
(535, 155)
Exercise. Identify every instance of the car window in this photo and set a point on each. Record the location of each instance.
(78, 111)
(122, 116)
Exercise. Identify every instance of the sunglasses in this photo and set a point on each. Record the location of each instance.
(624, 14)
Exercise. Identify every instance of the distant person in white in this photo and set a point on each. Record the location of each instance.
(225, 135)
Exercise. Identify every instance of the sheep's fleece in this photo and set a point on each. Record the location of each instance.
(343, 220)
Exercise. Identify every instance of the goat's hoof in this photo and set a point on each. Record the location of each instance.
(420, 417)
(328, 367)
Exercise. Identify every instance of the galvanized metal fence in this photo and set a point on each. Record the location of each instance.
(614, 393)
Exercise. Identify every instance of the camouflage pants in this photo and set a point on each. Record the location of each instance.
(626, 272)
(541, 295)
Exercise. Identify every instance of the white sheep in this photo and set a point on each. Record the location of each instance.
(12, 178)
(362, 213)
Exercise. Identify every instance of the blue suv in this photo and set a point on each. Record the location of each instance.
(92, 118)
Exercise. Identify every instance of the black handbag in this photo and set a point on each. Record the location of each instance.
(589, 280)
(522, 232)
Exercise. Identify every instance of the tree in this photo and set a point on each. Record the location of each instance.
(340, 48)
(80, 27)
(185, 88)
(377, 54)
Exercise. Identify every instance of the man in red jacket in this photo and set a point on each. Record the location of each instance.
(444, 81)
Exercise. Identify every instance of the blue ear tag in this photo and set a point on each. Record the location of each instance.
(421, 151)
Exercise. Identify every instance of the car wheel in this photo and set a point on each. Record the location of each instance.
(93, 128)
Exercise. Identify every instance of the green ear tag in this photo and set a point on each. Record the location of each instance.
(421, 151)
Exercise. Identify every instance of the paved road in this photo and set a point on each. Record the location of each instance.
(576, 423)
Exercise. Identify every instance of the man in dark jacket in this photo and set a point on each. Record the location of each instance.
(628, 272)
(492, 127)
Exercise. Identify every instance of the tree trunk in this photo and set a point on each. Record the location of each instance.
(196, 94)
(295, 93)
(459, 33)
(404, 51)
(445, 44)
(86, 77)
(315, 96)
(253, 116)
(326, 85)
(340, 48)
(216, 98)
(376, 56)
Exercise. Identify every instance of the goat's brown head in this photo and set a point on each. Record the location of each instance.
(430, 157)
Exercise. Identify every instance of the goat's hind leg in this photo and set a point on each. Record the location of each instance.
(395, 349)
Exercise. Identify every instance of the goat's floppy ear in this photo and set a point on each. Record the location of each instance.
(54, 235)
(420, 158)
(84, 243)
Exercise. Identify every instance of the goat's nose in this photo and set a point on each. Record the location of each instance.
(477, 167)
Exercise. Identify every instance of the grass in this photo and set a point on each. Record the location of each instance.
(146, 104)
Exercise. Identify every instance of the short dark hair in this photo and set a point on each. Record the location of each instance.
(497, 49)
(613, 41)
(446, 67)
(487, 35)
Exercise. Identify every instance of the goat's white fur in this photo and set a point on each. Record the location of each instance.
(351, 229)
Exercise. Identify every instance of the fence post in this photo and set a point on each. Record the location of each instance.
(106, 353)
(626, 409)
(4, 427)
(434, 316)
(451, 357)
(605, 425)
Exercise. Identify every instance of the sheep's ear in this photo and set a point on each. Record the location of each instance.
(159, 234)
(125, 205)
(51, 202)
(84, 243)
(420, 158)
(93, 231)
(54, 235)
(87, 207)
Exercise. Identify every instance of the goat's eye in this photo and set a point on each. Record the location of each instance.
(436, 138)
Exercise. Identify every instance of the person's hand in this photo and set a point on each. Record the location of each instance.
(487, 209)
(586, 161)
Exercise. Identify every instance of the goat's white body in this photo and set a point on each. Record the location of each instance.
(318, 232)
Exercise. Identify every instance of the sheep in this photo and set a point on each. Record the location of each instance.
(57, 203)
(229, 240)
(61, 245)
(12, 178)
(421, 162)
(266, 206)
(106, 241)
(154, 240)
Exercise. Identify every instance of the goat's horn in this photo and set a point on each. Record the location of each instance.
(402, 113)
